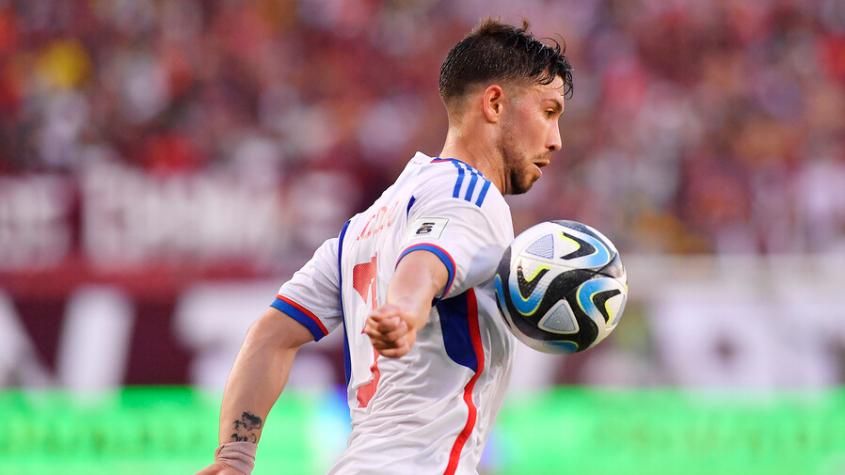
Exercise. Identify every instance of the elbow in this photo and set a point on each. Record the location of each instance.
(275, 332)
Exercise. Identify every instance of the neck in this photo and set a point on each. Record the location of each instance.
(475, 152)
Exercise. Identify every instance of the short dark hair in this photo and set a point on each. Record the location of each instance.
(498, 51)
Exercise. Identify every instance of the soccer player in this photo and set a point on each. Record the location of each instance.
(408, 281)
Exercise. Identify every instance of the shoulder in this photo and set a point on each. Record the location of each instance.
(451, 179)
(455, 192)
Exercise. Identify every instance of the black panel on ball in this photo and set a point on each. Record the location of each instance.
(562, 287)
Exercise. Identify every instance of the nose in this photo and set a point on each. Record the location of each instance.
(554, 141)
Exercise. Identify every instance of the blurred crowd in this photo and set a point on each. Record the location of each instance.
(695, 126)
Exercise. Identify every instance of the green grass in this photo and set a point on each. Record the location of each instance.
(173, 430)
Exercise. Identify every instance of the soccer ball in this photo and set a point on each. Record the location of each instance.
(561, 287)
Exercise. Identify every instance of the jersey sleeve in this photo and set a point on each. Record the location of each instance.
(467, 227)
(312, 295)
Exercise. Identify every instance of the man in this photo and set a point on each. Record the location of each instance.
(427, 357)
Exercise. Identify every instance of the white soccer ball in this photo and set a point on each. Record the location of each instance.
(561, 287)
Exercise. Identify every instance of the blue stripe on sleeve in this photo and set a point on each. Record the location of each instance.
(457, 191)
(483, 193)
(441, 254)
(471, 187)
(463, 168)
(300, 317)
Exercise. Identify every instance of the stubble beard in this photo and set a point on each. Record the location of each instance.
(518, 180)
(519, 169)
(517, 185)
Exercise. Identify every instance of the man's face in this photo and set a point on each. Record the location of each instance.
(531, 133)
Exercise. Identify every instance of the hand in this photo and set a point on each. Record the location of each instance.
(391, 330)
(219, 469)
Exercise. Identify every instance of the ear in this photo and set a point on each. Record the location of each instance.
(493, 103)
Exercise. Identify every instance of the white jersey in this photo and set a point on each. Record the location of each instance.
(431, 410)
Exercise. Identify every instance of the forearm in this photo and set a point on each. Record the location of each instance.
(418, 279)
(392, 327)
(255, 383)
(258, 376)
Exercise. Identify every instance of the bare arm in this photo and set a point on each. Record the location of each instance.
(257, 379)
(259, 375)
(418, 279)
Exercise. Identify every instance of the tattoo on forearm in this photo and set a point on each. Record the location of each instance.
(245, 428)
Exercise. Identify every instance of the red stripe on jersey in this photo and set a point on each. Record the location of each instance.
(306, 312)
(367, 391)
(475, 334)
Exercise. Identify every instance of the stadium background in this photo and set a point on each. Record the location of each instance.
(165, 165)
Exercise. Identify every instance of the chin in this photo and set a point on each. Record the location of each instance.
(521, 183)
(520, 188)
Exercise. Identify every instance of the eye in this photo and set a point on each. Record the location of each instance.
(550, 113)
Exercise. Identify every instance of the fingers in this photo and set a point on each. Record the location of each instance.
(386, 324)
(385, 320)
(389, 332)
(386, 310)
(385, 332)
(395, 349)
(395, 352)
